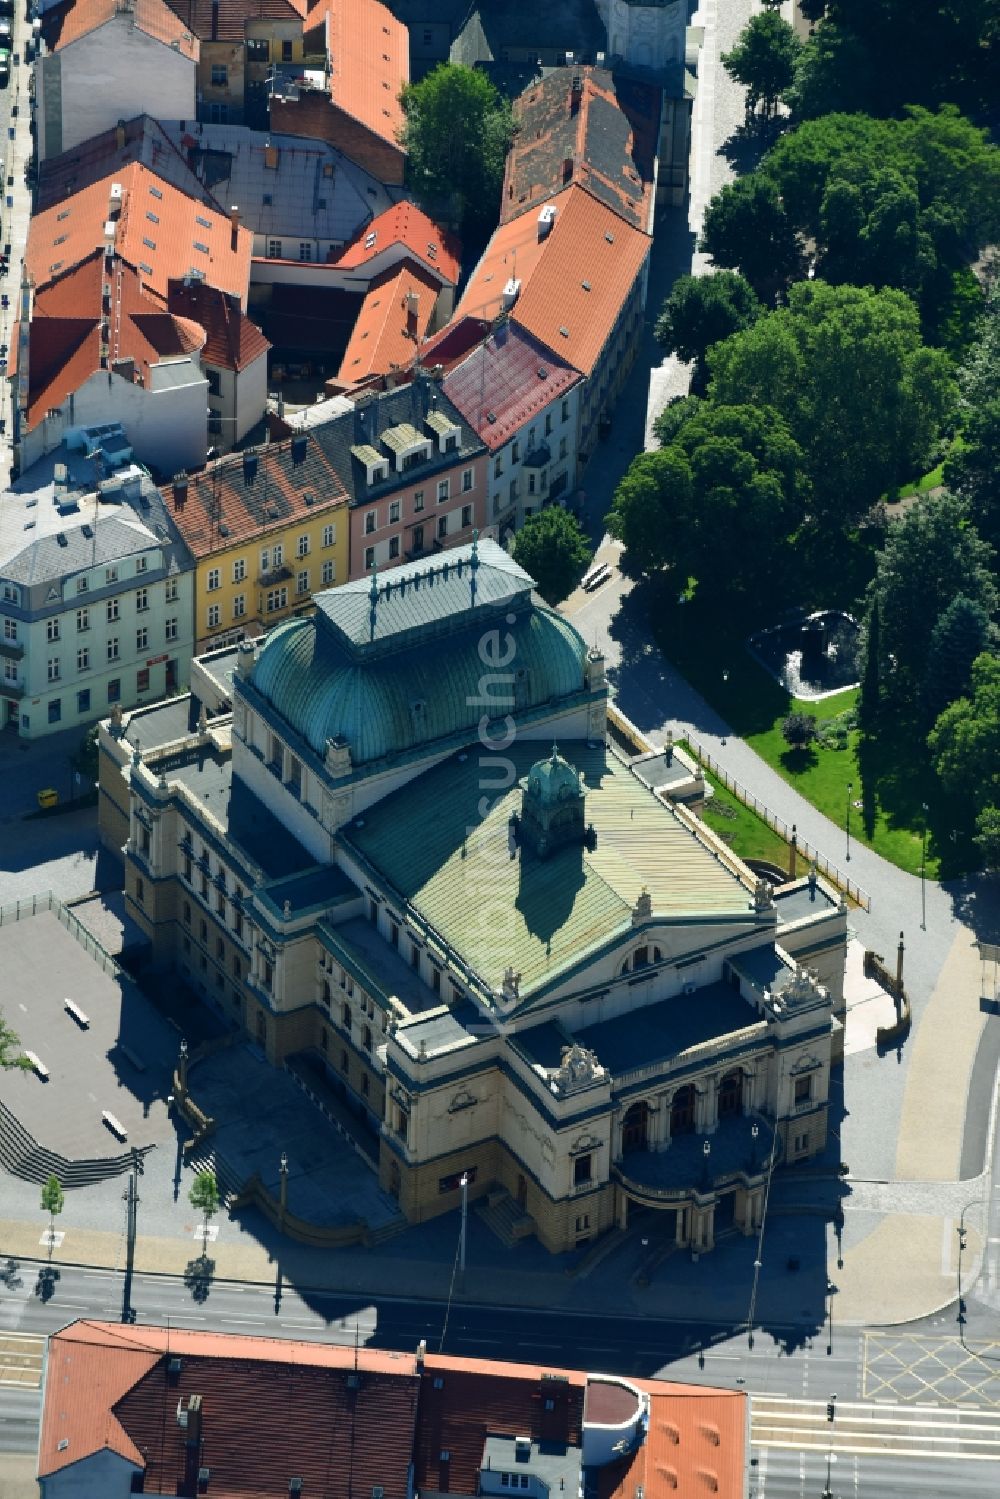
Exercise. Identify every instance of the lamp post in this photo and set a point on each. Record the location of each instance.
(464, 1184)
(282, 1190)
(831, 1458)
(725, 679)
(754, 1132)
(706, 1153)
(182, 1068)
(850, 793)
(923, 871)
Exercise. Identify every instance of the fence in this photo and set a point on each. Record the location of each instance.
(21, 909)
(832, 871)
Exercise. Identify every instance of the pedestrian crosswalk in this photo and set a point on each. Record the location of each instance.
(869, 1428)
(21, 1359)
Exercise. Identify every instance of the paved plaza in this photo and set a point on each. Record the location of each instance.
(119, 1062)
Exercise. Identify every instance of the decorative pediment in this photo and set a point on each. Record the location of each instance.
(463, 1099)
(805, 1063)
(584, 1143)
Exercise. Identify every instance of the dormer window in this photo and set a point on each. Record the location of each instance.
(447, 431)
(375, 463)
(408, 446)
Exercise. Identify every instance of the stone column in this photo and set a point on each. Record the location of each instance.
(711, 1105)
(700, 1107)
(665, 1101)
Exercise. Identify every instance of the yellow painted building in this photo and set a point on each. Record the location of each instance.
(267, 529)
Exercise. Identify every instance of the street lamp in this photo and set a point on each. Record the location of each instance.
(754, 1132)
(706, 1151)
(464, 1184)
(923, 871)
(850, 793)
(725, 679)
(283, 1186)
(831, 1458)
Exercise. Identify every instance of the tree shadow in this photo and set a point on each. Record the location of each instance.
(45, 1285)
(748, 143)
(198, 1276)
(799, 758)
(10, 1275)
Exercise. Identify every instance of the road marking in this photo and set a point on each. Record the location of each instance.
(21, 1356)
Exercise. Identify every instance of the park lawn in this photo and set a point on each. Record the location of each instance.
(704, 646)
(746, 834)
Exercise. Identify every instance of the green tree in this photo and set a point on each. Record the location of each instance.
(965, 741)
(552, 547)
(700, 311)
(204, 1197)
(673, 416)
(9, 1041)
(719, 503)
(973, 470)
(747, 229)
(961, 634)
(798, 729)
(456, 132)
(931, 555)
(988, 836)
(86, 759)
(53, 1201)
(834, 71)
(870, 698)
(763, 60)
(861, 393)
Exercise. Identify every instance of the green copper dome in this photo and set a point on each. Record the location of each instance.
(427, 688)
(553, 780)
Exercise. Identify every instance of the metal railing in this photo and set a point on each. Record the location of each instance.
(777, 824)
(36, 904)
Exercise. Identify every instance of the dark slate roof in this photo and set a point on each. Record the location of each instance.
(91, 161)
(603, 127)
(423, 593)
(374, 415)
(492, 26)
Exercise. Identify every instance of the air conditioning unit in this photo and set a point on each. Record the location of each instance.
(182, 1415)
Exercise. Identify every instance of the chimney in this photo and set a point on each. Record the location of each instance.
(180, 490)
(192, 1447)
(412, 312)
(115, 201)
(215, 20)
(510, 294)
(546, 219)
(270, 156)
(575, 93)
(234, 220)
(120, 135)
(567, 169)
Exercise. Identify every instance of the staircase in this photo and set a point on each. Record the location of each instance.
(227, 1179)
(502, 1215)
(21, 1155)
(385, 1231)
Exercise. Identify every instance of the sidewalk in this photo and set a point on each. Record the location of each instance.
(18, 151)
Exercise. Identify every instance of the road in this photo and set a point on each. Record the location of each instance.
(921, 1446)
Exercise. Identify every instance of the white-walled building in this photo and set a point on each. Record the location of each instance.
(95, 593)
(106, 60)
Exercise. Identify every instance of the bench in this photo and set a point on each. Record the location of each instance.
(39, 1066)
(596, 577)
(81, 1019)
(114, 1125)
(130, 1056)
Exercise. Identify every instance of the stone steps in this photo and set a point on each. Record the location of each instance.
(21, 1155)
(504, 1218)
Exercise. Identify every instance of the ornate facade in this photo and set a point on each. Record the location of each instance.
(530, 969)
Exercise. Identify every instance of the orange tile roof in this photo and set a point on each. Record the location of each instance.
(232, 340)
(154, 17)
(369, 60)
(158, 231)
(407, 225)
(246, 495)
(386, 335)
(65, 337)
(696, 1444)
(226, 20)
(572, 283)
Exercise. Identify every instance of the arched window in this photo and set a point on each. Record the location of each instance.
(731, 1095)
(635, 1128)
(682, 1111)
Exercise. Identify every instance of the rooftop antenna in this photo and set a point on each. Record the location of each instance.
(373, 602)
(474, 567)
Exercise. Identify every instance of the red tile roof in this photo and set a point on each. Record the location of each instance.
(65, 338)
(246, 495)
(154, 17)
(346, 1420)
(450, 345)
(407, 226)
(226, 20)
(501, 386)
(369, 61)
(160, 231)
(477, 1397)
(387, 333)
(232, 341)
(271, 1409)
(573, 282)
(584, 125)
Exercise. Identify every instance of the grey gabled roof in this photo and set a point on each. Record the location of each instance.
(422, 593)
(113, 537)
